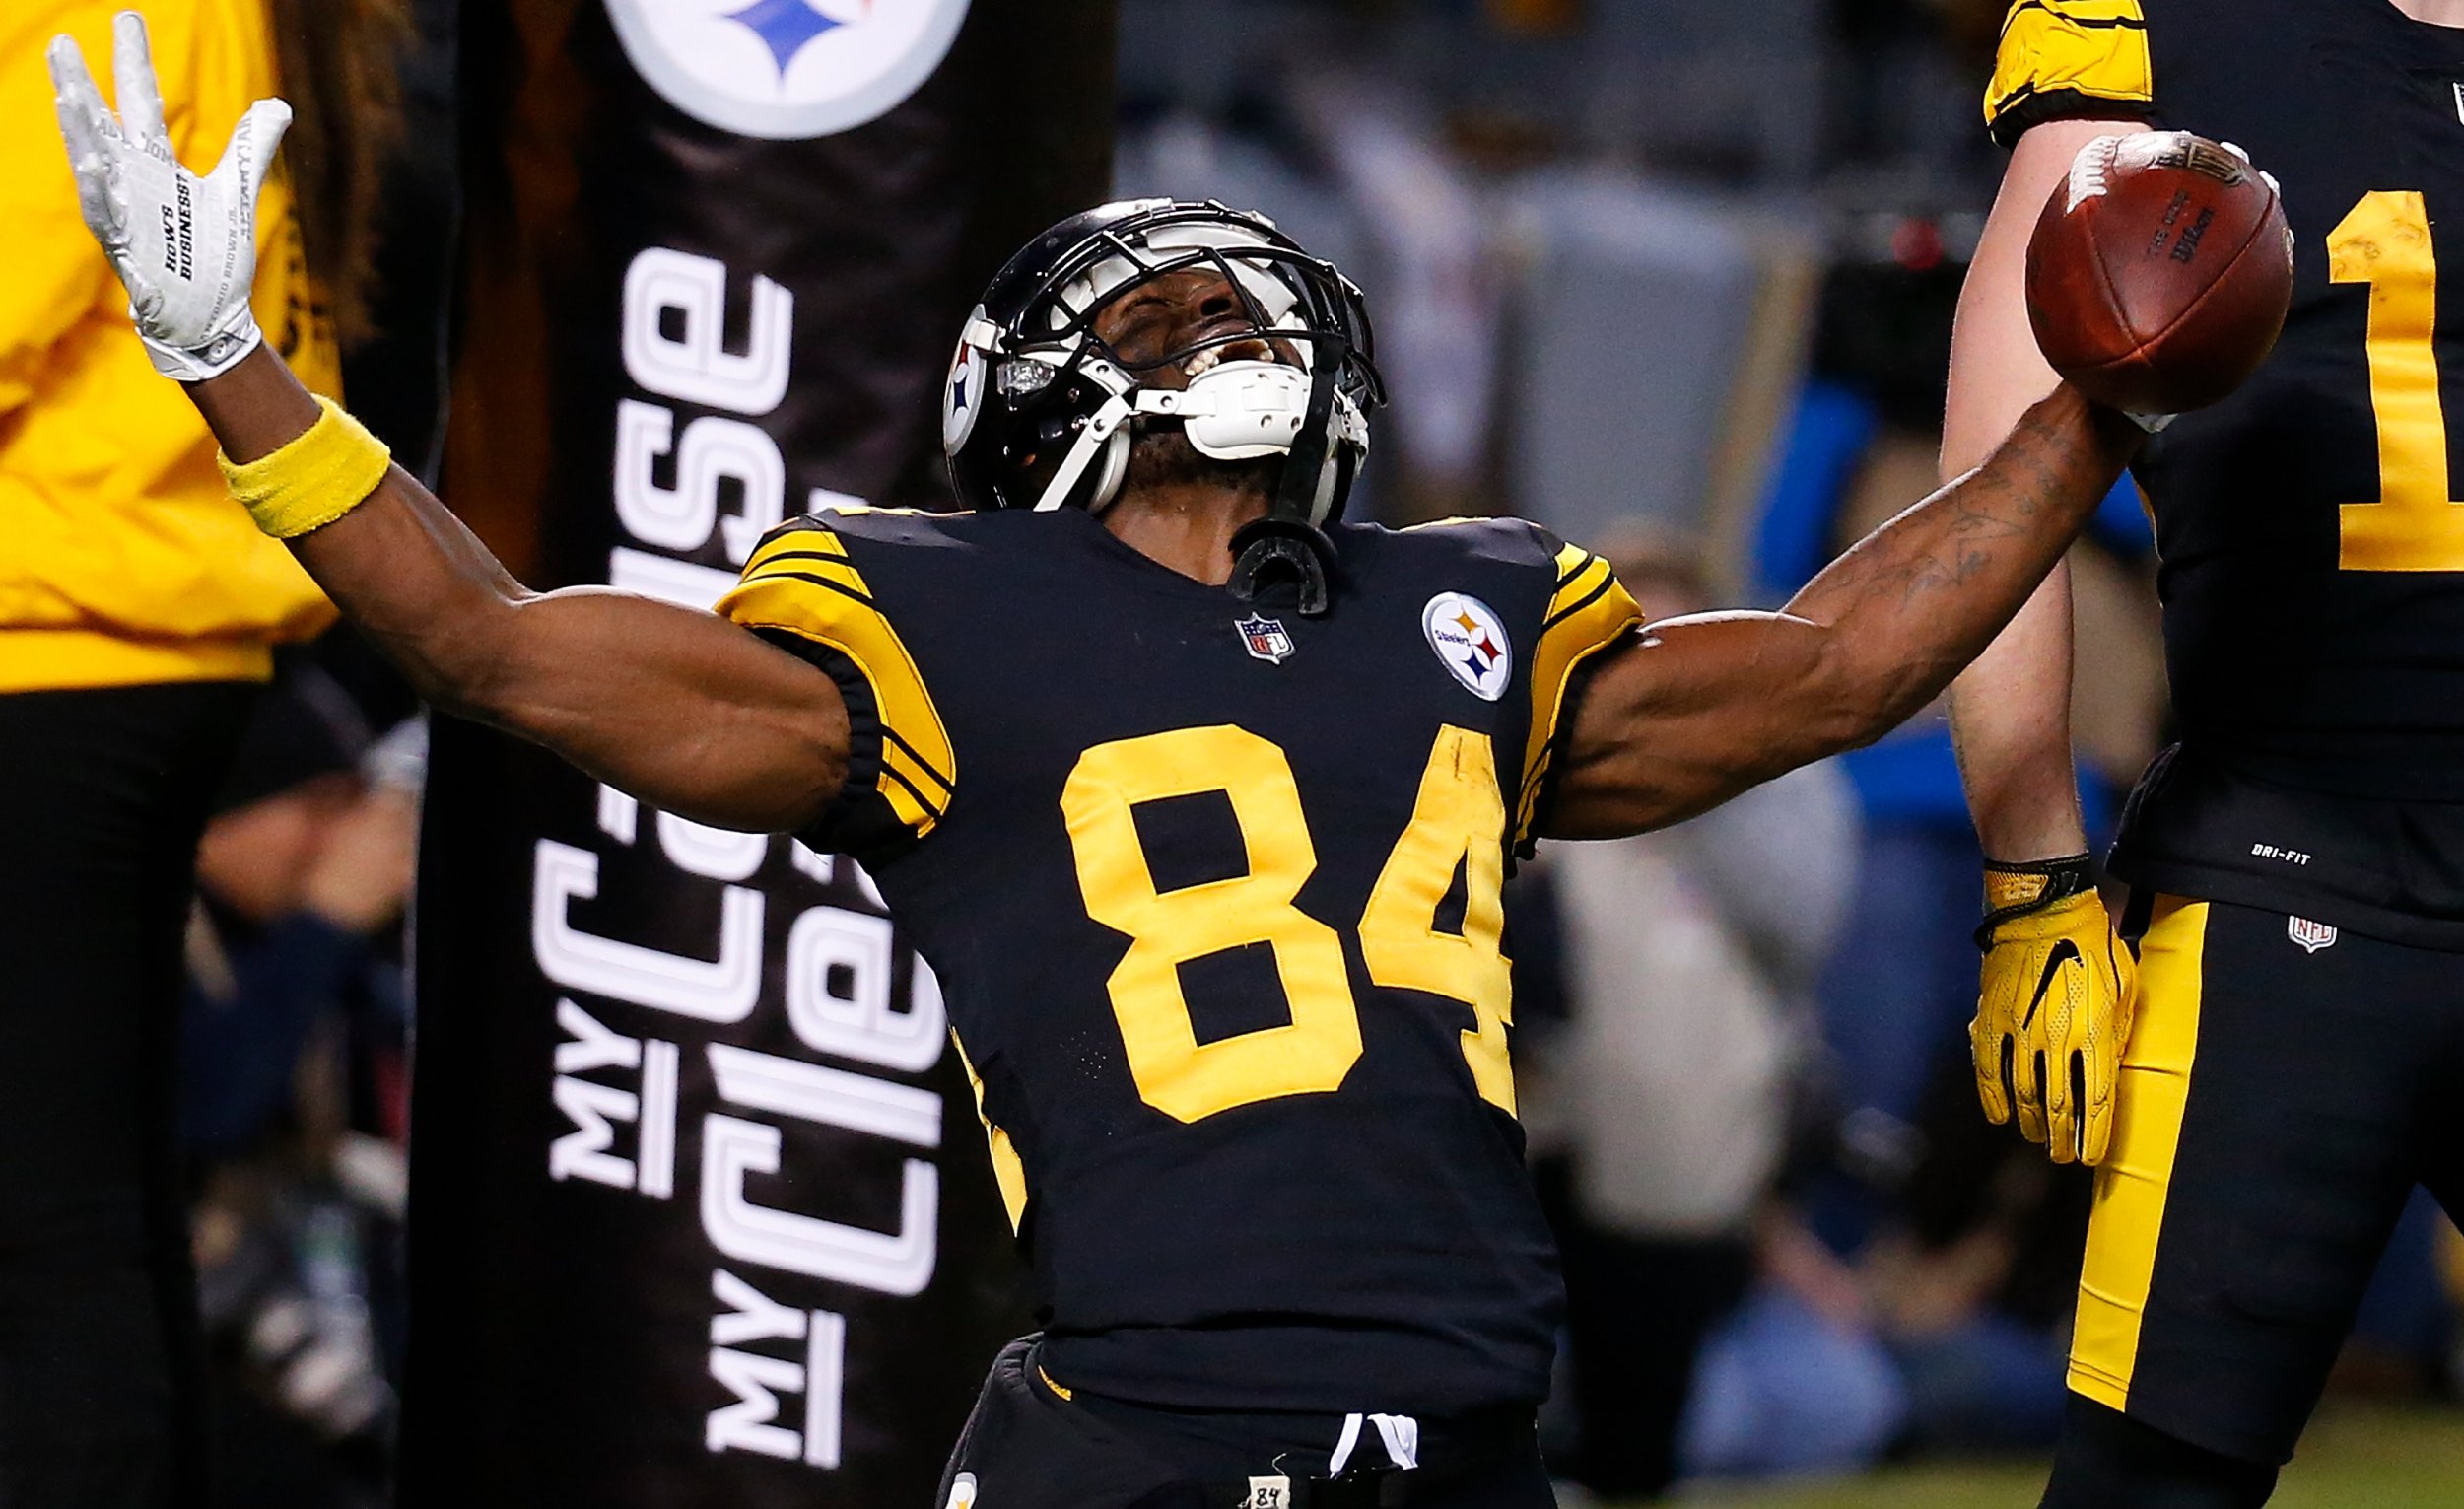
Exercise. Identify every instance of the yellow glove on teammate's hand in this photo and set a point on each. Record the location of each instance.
(2055, 1008)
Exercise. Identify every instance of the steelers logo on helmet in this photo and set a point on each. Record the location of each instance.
(1470, 641)
(963, 400)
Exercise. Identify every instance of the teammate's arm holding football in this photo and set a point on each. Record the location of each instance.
(2010, 719)
(2009, 712)
(680, 708)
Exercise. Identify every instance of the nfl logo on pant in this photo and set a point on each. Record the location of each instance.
(2312, 937)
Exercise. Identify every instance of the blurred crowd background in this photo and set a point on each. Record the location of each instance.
(1674, 277)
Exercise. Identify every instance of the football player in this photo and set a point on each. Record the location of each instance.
(1197, 799)
(2297, 861)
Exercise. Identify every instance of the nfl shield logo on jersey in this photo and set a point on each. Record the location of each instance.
(1265, 638)
(1471, 641)
(2312, 937)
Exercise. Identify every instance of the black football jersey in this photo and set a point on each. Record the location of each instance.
(2310, 528)
(1212, 892)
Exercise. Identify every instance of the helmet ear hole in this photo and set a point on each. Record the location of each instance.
(1334, 480)
(1110, 471)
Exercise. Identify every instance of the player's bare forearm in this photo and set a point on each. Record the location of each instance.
(2010, 721)
(2009, 712)
(680, 708)
(1697, 710)
(1919, 598)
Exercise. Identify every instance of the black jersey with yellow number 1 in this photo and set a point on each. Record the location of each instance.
(1214, 896)
(2311, 527)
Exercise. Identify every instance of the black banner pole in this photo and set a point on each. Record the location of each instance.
(700, 1211)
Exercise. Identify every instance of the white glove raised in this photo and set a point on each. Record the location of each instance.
(184, 247)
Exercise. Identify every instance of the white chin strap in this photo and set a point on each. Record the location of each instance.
(1237, 411)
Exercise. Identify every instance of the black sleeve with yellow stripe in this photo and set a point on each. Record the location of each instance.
(802, 592)
(1590, 611)
(2070, 60)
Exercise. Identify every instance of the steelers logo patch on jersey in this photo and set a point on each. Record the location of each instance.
(1471, 641)
(963, 1492)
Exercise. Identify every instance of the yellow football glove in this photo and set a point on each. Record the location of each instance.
(2055, 1008)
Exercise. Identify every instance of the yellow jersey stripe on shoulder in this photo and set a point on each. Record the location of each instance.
(818, 544)
(806, 559)
(1588, 612)
(854, 507)
(2092, 48)
(800, 581)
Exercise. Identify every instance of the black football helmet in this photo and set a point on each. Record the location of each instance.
(1040, 412)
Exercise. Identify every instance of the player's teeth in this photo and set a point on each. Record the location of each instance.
(1204, 361)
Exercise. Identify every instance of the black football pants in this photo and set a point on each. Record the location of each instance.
(2109, 1461)
(103, 794)
(1033, 1443)
(2286, 1087)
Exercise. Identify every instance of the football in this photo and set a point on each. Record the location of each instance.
(2160, 272)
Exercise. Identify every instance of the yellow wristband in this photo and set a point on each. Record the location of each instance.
(315, 479)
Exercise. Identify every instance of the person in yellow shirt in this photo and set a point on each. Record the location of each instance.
(139, 608)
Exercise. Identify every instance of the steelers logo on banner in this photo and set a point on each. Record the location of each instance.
(1471, 641)
(786, 69)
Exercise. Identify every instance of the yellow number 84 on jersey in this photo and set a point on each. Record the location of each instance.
(1458, 822)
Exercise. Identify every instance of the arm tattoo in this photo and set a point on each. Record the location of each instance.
(1962, 532)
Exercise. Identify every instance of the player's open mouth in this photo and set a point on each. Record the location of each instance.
(1212, 357)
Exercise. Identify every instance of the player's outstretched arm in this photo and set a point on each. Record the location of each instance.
(680, 708)
(1695, 710)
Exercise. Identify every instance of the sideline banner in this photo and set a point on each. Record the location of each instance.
(701, 1212)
